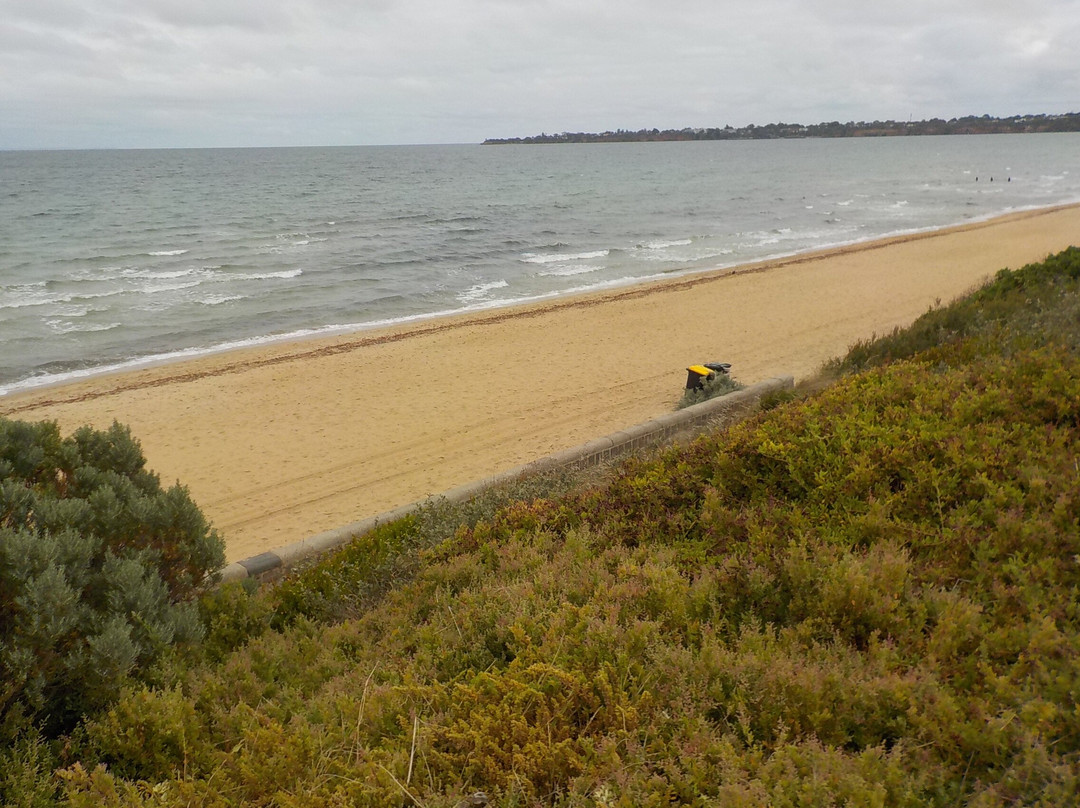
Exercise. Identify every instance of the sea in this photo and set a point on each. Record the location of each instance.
(117, 259)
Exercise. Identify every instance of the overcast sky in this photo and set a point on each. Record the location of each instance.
(149, 73)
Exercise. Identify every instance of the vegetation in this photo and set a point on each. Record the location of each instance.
(1036, 306)
(96, 564)
(863, 596)
(719, 384)
(967, 125)
(354, 578)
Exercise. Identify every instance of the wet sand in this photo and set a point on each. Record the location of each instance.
(284, 441)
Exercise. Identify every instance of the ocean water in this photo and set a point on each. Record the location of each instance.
(111, 259)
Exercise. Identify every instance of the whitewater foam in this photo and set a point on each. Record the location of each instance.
(217, 300)
(64, 327)
(552, 258)
(269, 276)
(665, 245)
(566, 272)
(481, 291)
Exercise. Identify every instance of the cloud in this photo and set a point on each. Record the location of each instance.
(252, 72)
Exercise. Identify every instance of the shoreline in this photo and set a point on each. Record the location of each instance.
(281, 441)
(335, 332)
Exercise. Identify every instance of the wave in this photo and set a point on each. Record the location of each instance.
(161, 253)
(28, 294)
(75, 310)
(20, 299)
(285, 274)
(481, 291)
(63, 327)
(217, 300)
(126, 282)
(169, 287)
(552, 258)
(151, 275)
(582, 269)
(664, 245)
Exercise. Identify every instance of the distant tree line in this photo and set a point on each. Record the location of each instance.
(969, 125)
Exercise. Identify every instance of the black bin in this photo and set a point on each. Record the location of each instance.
(696, 375)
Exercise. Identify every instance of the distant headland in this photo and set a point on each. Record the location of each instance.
(970, 125)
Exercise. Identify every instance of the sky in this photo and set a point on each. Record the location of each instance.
(207, 73)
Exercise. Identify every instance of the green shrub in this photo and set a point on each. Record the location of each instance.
(341, 583)
(719, 384)
(26, 772)
(148, 734)
(232, 613)
(1035, 305)
(97, 562)
(346, 582)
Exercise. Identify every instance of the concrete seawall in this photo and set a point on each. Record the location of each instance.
(717, 411)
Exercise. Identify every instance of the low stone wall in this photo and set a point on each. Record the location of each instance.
(715, 412)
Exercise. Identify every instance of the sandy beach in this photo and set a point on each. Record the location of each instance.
(289, 440)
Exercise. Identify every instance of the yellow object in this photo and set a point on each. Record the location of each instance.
(696, 376)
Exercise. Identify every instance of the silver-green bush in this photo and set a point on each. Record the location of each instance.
(98, 564)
